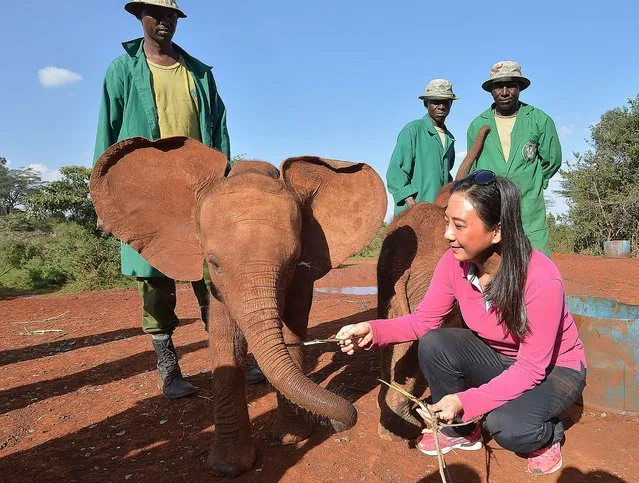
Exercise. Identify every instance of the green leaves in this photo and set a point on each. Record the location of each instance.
(15, 186)
(602, 184)
(66, 199)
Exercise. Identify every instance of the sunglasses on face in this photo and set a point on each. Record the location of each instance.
(482, 177)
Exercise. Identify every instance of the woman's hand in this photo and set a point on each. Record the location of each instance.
(446, 409)
(354, 336)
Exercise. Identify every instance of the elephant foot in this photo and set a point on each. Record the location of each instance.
(393, 427)
(291, 429)
(232, 461)
(398, 432)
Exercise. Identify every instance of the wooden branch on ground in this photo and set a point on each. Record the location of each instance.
(435, 426)
(42, 320)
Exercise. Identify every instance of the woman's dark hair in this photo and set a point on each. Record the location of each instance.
(496, 201)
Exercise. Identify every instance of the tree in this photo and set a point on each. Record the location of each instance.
(67, 198)
(15, 186)
(602, 184)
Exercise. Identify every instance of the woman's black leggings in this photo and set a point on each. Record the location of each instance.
(453, 359)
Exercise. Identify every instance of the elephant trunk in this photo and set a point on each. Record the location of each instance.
(263, 331)
(441, 200)
(473, 152)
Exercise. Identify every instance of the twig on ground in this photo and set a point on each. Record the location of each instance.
(40, 332)
(435, 426)
(205, 397)
(41, 320)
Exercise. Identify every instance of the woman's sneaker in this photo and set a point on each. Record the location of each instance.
(471, 442)
(545, 461)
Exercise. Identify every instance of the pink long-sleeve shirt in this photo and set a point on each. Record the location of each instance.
(553, 338)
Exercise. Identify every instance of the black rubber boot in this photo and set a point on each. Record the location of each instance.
(172, 383)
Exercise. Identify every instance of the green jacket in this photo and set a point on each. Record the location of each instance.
(535, 156)
(420, 164)
(128, 110)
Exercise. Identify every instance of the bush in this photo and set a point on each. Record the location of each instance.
(43, 275)
(372, 250)
(67, 256)
(561, 236)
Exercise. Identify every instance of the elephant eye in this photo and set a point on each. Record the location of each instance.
(214, 263)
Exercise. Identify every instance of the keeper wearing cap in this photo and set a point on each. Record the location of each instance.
(425, 151)
(522, 146)
(157, 90)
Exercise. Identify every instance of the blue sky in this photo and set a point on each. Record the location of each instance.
(334, 78)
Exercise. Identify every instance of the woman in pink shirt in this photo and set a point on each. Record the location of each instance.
(520, 363)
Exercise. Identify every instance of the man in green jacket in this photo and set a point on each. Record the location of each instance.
(158, 90)
(425, 151)
(522, 146)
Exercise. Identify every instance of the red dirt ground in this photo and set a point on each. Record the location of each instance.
(82, 404)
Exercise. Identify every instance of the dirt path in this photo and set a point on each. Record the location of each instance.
(82, 404)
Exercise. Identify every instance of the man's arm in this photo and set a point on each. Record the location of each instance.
(400, 169)
(549, 151)
(111, 113)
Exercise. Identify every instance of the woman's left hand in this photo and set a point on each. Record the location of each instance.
(447, 408)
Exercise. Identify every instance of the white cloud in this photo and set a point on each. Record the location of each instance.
(461, 154)
(46, 173)
(565, 131)
(56, 77)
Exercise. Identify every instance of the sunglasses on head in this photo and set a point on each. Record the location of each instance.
(482, 177)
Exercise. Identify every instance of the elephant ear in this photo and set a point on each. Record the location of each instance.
(145, 193)
(343, 205)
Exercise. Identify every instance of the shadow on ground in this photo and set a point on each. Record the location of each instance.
(162, 440)
(48, 349)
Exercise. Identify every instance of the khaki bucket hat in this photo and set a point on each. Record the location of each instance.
(132, 7)
(439, 89)
(504, 71)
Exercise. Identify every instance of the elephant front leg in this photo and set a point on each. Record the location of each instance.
(400, 366)
(233, 450)
(294, 424)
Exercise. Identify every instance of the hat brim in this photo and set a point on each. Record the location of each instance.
(134, 7)
(523, 81)
(439, 98)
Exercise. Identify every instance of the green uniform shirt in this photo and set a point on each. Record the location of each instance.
(420, 164)
(535, 156)
(128, 110)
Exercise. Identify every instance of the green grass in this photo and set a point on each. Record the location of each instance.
(373, 250)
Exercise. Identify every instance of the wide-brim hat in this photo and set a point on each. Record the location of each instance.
(439, 89)
(133, 6)
(506, 71)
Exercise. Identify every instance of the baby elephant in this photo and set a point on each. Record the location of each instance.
(266, 236)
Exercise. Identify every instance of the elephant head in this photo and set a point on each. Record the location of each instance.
(257, 228)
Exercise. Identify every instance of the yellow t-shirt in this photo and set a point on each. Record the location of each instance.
(442, 134)
(505, 126)
(175, 100)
